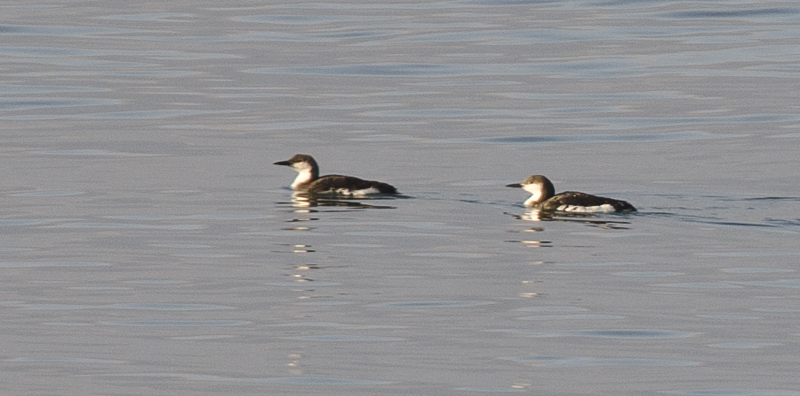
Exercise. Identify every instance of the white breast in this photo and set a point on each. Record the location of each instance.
(536, 193)
(303, 177)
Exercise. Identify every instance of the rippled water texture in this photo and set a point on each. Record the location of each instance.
(148, 246)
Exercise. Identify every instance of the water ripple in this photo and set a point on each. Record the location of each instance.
(553, 309)
(89, 153)
(61, 359)
(299, 380)
(755, 270)
(701, 285)
(733, 392)
(343, 338)
(599, 264)
(648, 274)
(743, 345)
(312, 19)
(577, 361)
(783, 283)
(484, 389)
(112, 226)
(754, 12)
(134, 306)
(22, 104)
(27, 222)
(45, 264)
(620, 333)
(36, 53)
(118, 115)
(40, 89)
(593, 138)
(571, 68)
(149, 17)
(179, 323)
(63, 31)
(49, 194)
(380, 70)
(572, 317)
(434, 304)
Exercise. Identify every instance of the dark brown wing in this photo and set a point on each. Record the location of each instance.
(336, 183)
(583, 199)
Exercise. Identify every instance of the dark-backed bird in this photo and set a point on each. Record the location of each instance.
(543, 197)
(309, 181)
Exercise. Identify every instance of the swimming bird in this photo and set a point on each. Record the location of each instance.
(544, 198)
(309, 181)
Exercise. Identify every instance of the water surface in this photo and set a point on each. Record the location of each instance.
(147, 242)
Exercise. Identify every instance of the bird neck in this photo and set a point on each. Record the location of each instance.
(539, 193)
(306, 174)
(535, 198)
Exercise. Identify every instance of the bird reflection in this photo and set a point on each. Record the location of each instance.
(536, 215)
(307, 200)
(588, 219)
(535, 243)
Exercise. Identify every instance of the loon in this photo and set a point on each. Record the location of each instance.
(309, 181)
(544, 198)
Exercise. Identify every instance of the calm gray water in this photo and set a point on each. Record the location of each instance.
(148, 245)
